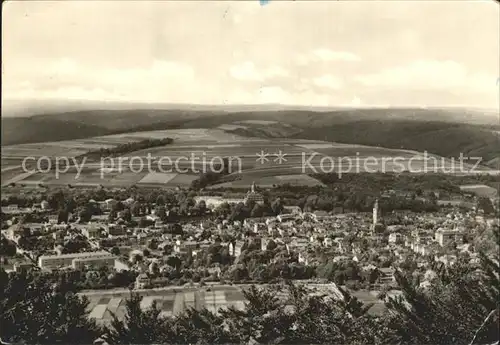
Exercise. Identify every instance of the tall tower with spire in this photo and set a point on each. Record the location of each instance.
(375, 212)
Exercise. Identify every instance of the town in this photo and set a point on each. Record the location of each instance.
(154, 240)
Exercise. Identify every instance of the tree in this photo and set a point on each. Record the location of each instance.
(62, 216)
(135, 209)
(485, 204)
(277, 206)
(174, 262)
(160, 200)
(38, 312)
(175, 229)
(202, 206)
(139, 326)
(56, 200)
(112, 215)
(126, 215)
(115, 251)
(7, 248)
(460, 306)
(161, 212)
(271, 245)
(144, 222)
(85, 214)
(257, 211)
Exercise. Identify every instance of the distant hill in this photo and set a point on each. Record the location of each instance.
(446, 132)
(443, 139)
(89, 123)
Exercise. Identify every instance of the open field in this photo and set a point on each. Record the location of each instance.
(253, 159)
(480, 190)
(271, 181)
(174, 300)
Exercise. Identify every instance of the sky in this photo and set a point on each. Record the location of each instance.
(308, 53)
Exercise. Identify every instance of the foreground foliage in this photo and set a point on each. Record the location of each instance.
(461, 307)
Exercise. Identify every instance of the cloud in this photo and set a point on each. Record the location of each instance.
(160, 71)
(356, 101)
(64, 78)
(273, 94)
(249, 72)
(68, 93)
(326, 55)
(429, 74)
(328, 81)
(330, 55)
(63, 67)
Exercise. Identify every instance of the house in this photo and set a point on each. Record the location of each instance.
(445, 237)
(235, 248)
(303, 258)
(320, 215)
(394, 238)
(91, 231)
(185, 246)
(292, 210)
(387, 275)
(297, 244)
(14, 232)
(117, 230)
(142, 281)
(44, 205)
(22, 266)
(327, 242)
(285, 217)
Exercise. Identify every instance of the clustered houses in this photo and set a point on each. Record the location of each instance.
(369, 241)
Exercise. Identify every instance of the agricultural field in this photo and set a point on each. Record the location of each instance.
(181, 135)
(173, 301)
(267, 161)
(271, 181)
(480, 190)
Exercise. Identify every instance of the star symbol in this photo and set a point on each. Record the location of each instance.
(262, 157)
(280, 157)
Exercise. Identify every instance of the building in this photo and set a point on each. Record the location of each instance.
(215, 201)
(387, 276)
(117, 230)
(285, 217)
(292, 209)
(395, 238)
(185, 246)
(376, 213)
(327, 242)
(91, 231)
(297, 244)
(22, 266)
(235, 248)
(254, 196)
(142, 281)
(95, 262)
(66, 260)
(445, 237)
(14, 232)
(320, 215)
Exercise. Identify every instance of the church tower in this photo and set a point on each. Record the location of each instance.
(376, 213)
(255, 196)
